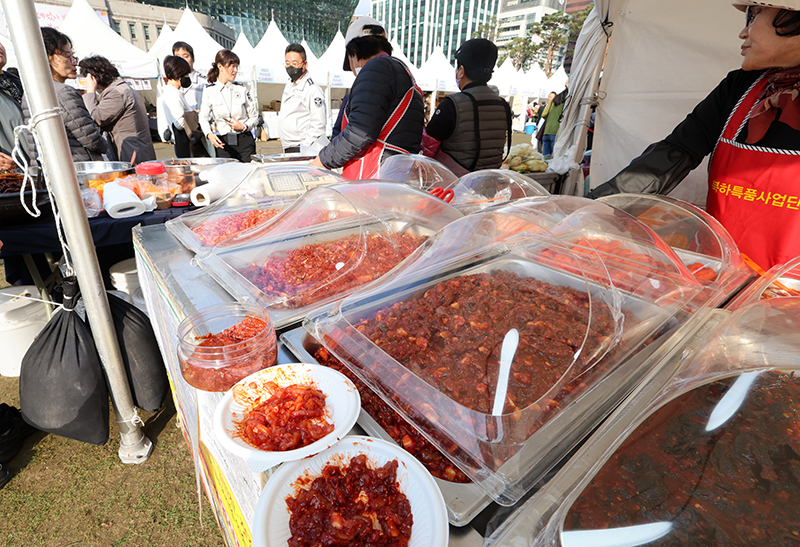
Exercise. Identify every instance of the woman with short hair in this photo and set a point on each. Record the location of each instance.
(118, 110)
(174, 105)
(750, 124)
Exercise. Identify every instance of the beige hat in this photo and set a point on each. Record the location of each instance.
(363, 26)
(793, 5)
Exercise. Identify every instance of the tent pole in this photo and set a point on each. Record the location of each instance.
(57, 162)
(571, 184)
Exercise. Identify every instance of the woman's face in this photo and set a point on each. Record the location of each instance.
(762, 47)
(63, 64)
(227, 73)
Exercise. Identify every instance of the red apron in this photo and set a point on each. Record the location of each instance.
(754, 192)
(366, 165)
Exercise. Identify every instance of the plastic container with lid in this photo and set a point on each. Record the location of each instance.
(153, 181)
(247, 205)
(701, 453)
(330, 241)
(699, 240)
(481, 189)
(21, 320)
(219, 345)
(429, 337)
(780, 281)
(416, 170)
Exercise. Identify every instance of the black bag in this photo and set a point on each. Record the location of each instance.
(62, 386)
(191, 125)
(147, 374)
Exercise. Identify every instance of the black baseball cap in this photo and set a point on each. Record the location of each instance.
(479, 54)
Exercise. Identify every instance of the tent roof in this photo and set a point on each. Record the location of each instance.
(190, 30)
(437, 67)
(558, 81)
(165, 37)
(310, 57)
(91, 36)
(270, 49)
(247, 57)
(331, 61)
(505, 77)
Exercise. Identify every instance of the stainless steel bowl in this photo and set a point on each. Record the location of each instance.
(192, 166)
(101, 170)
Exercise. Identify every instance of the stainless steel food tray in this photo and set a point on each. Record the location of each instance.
(284, 318)
(464, 501)
(544, 449)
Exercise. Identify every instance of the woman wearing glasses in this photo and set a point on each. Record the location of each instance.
(750, 124)
(118, 109)
(85, 141)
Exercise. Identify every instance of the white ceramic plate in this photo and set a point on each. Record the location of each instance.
(430, 529)
(342, 403)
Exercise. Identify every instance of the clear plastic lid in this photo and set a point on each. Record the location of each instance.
(704, 454)
(330, 241)
(481, 189)
(430, 338)
(634, 257)
(256, 199)
(780, 281)
(702, 243)
(416, 170)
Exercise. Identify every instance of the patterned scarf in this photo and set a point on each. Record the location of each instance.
(11, 86)
(779, 100)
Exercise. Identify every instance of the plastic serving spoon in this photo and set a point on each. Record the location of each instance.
(507, 351)
(731, 401)
(629, 536)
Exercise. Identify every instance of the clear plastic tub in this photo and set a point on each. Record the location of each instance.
(246, 206)
(329, 242)
(701, 242)
(416, 170)
(221, 344)
(428, 339)
(702, 453)
(481, 189)
(780, 281)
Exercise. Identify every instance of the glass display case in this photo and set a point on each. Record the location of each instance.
(417, 170)
(481, 189)
(701, 242)
(258, 198)
(504, 343)
(703, 452)
(330, 241)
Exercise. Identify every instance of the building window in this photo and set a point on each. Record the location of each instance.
(158, 30)
(116, 27)
(132, 28)
(147, 32)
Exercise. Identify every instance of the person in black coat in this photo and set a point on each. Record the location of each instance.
(369, 131)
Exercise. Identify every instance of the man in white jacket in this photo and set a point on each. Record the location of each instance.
(303, 114)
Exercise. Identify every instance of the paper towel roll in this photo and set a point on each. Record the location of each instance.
(121, 202)
(209, 193)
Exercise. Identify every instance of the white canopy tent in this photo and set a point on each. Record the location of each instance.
(663, 58)
(534, 82)
(505, 77)
(437, 67)
(189, 30)
(558, 81)
(331, 62)
(165, 39)
(91, 36)
(310, 57)
(269, 53)
(247, 57)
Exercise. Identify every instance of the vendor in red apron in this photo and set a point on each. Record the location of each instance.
(750, 124)
(385, 113)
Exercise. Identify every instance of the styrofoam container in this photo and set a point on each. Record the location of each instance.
(21, 320)
(125, 276)
(137, 298)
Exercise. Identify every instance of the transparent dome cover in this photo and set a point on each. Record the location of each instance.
(705, 454)
(416, 170)
(331, 240)
(702, 243)
(634, 257)
(251, 202)
(780, 281)
(430, 338)
(481, 189)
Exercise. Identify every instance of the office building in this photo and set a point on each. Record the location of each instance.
(418, 26)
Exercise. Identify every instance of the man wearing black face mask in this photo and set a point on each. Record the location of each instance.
(303, 114)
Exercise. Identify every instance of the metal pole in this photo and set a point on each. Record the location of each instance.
(57, 161)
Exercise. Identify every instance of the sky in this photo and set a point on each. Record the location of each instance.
(363, 7)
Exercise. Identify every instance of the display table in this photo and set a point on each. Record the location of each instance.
(174, 288)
